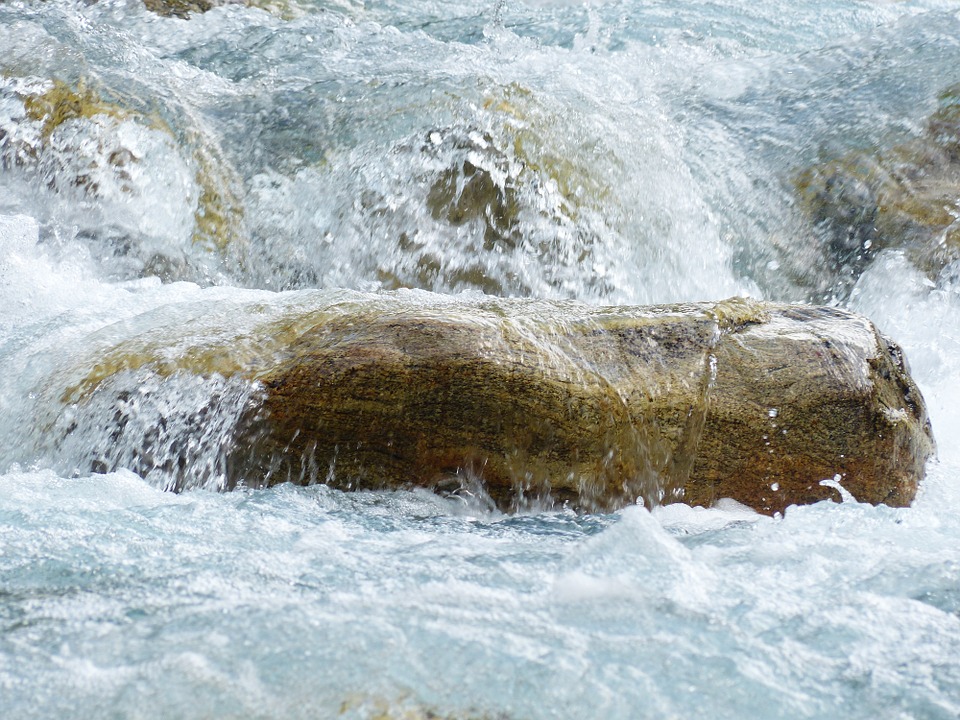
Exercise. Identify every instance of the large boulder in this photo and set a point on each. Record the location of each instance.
(551, 403)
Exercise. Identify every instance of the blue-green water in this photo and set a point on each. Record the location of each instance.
(641, 152)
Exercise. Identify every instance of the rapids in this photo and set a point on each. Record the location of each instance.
(609, 152)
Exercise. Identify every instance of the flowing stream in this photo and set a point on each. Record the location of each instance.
(178, 168)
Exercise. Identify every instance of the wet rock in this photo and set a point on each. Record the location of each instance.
(559, 403)
(906, 197)
(178, 8)
(477, 188)
(184, 9)
(489, 200)
(491, 194)
(84, 143)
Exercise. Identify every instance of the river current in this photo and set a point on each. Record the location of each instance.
(610, 152)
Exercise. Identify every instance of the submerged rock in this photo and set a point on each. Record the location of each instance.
(547, 403)
(487, 193)
(906, 197)
(169, 190)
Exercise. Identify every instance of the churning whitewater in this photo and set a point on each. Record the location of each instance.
(168, 164)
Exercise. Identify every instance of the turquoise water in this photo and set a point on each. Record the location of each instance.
(636, 152)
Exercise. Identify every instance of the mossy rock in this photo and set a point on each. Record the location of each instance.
(218, 216)
(559, 403)
(905, 197)
(63, 102)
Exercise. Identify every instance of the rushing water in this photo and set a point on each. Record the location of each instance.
(608, 152)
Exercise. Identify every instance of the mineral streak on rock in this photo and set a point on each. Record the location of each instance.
(561, 402)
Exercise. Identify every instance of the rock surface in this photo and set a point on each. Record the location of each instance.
(560, 403)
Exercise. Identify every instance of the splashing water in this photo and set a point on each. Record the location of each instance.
(158, 169)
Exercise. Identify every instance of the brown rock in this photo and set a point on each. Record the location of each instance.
(178, 8)
(596, 407)
(563, 403)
